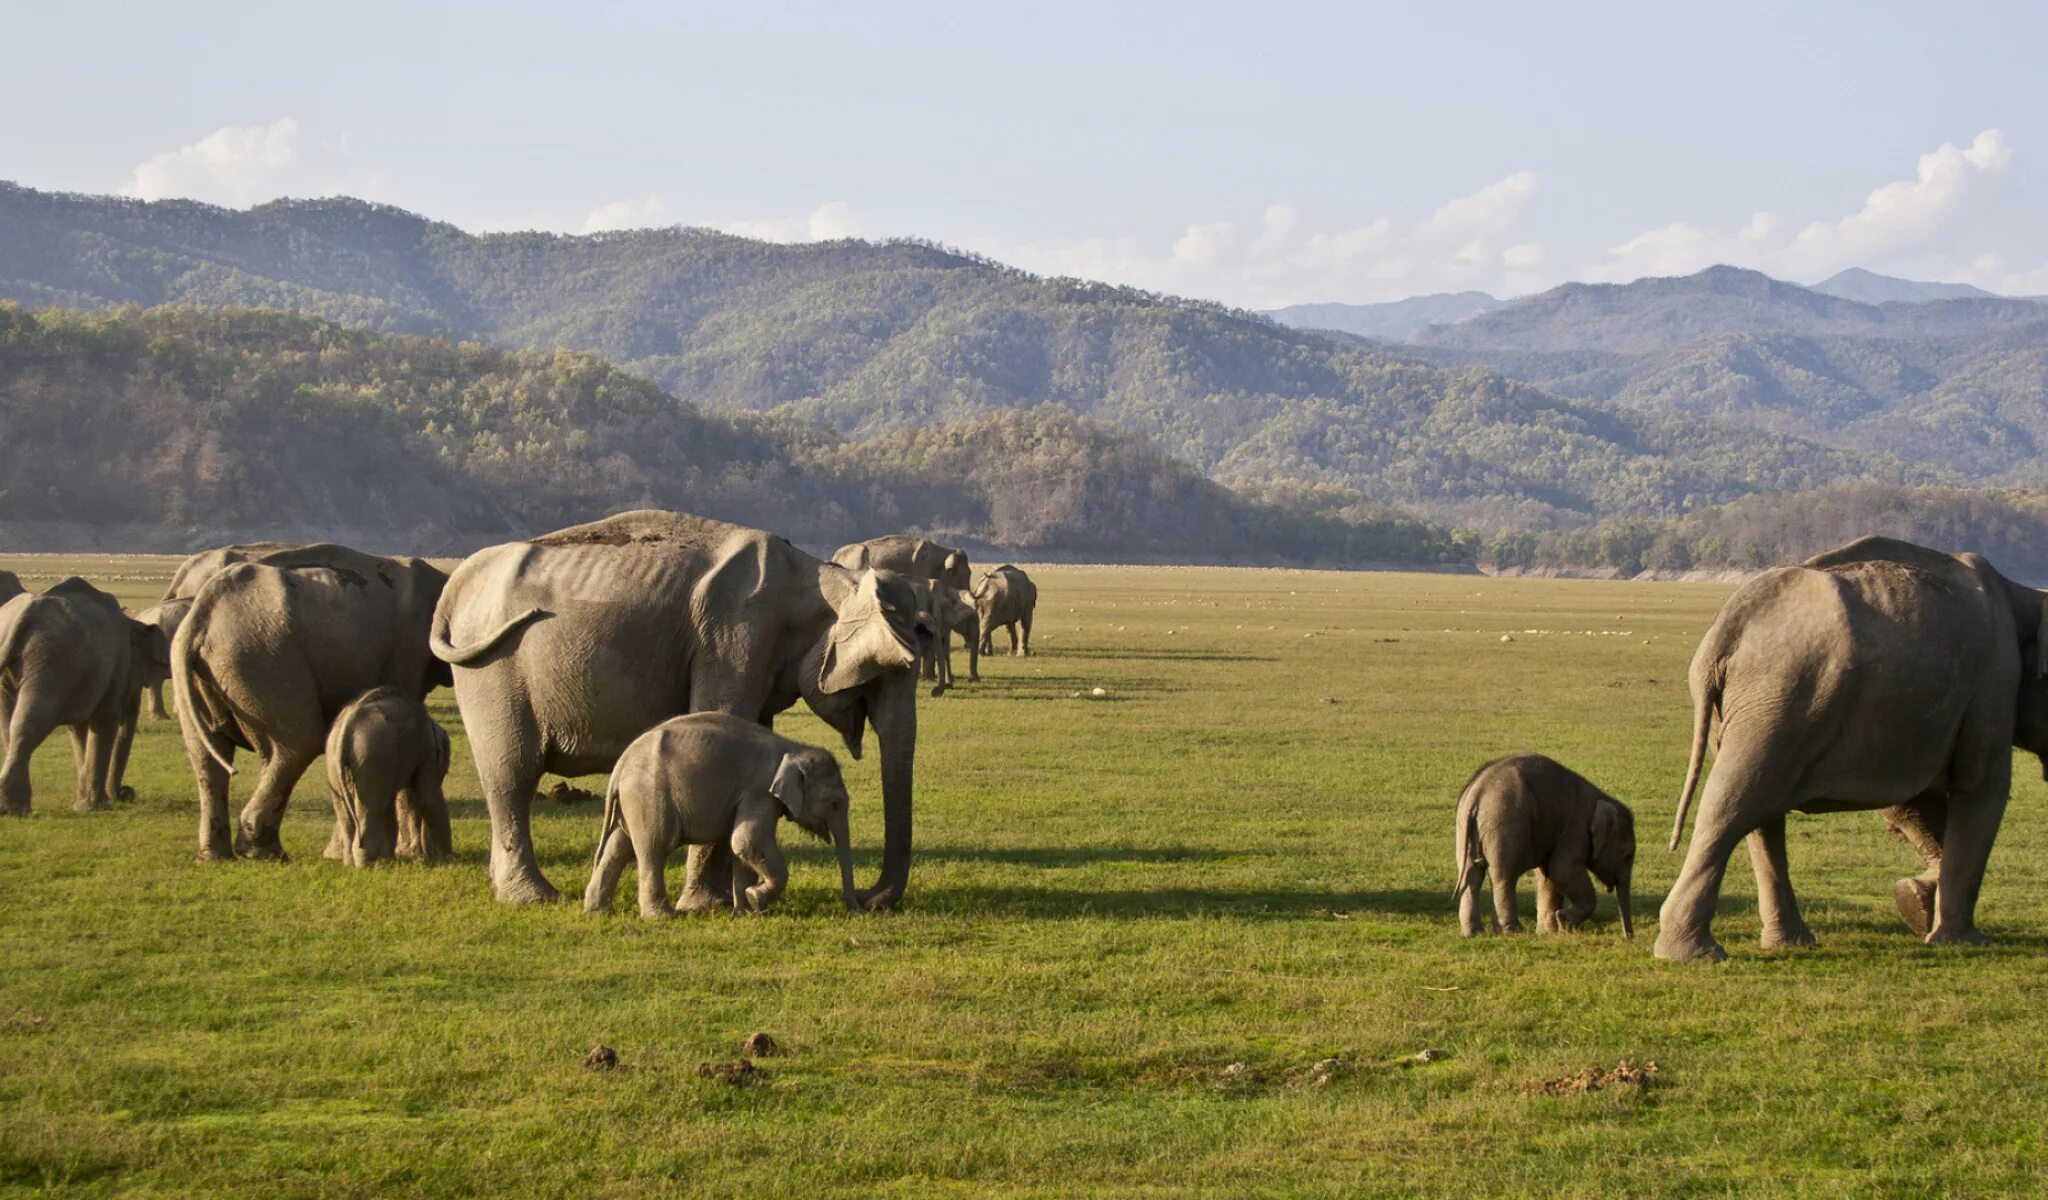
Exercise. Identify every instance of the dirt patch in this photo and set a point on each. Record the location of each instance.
(738, 1072)
(601, 1058)
(1594, 1079)
(759, 1045)
(566, 793)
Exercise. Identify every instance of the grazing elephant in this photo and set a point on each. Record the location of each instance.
(71, 657)
(916, 557)
(1529, 813)
(166, 616)
(1881, 675)
(1005, 599)
(949, 610)
(716, 779)
(569, 646)
(272, 651)
(386, 760)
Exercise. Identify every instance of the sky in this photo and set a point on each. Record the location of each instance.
(1257, 155)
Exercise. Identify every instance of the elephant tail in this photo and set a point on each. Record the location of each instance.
(611, 818)
(195, 709)
(461, 656)
(1468, 840)
(1705, 699)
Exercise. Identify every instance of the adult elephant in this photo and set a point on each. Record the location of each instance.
(71, 657)
(185, 584)
(272, 651)
(1881, 675)
(905, 554)
(569, 646)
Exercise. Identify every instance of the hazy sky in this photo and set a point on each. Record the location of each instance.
(1253, 153)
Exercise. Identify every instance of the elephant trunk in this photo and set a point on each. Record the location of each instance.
(895, 722)
(842, 844)
(1628, 915)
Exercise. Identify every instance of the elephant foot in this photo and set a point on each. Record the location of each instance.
(1965, 935)
(1915, 899)
(699, 901)
(92, 804)
(1672, 947)
(126, 795)
(879, 898)
(1788, 937)
(13, 810)
(524, 888)
(264, 853)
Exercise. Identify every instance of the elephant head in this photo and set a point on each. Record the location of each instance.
(149, 655)
(810, 789)
(1614, 855)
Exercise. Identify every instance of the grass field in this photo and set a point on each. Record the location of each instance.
(1140, 926)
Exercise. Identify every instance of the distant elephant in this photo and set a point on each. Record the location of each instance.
(166, 616)
(71, 657)
(386, 760)
(1881, 675)
(1005, 599)
(569, 646)
(1531, 813)
(949, 610)
(10, 586)
(272, 651)
(904, 554)
(716, 779)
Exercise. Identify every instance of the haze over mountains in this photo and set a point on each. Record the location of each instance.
(1588, 402)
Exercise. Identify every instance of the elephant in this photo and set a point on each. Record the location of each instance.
(568, 646)
(10, 586)
(185, 584)
(905, 554)
(1528, 812)
(711, 778)
(271, 652)
(949, 611)
(71, 657)
(386, 760)
(1879, 675)
(1005, 598)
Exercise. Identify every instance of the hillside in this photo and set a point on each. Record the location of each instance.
(172, 427)
(1869, 287)
(1394, 321)
(870, 339)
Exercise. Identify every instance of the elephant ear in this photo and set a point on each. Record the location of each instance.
(1606, 823)
(150, 643)
(788, 787)
(861, 643)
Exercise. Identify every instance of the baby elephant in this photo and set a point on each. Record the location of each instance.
(711, 778)
(1528, 812)
(386, 760)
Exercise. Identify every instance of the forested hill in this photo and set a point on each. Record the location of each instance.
(176, 427)
(873, 338)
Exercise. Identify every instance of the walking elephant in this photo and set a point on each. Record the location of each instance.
(569, 646)
(71, 657)
(1006, 599)
(1881, 675)
(948, 610)
(904, 554)
(272, 651)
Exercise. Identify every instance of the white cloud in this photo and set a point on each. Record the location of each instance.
(1900, 217)
(827, 222)
(623, 214)
(235, 164)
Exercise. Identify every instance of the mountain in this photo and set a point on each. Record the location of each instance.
(1652, 315)
(174, 427)
(1868, 287)
(1395, 321)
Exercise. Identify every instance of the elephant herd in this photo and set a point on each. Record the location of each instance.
(563, 651)
(659, 646)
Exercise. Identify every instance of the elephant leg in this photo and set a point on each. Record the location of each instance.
(1549, 903)
(754, 845)
(508, 766)
(1576, 898)
(1026, 623)
(1504, 913)
(1775, 903)
(81, 768)
(652, 864)
(25, 732)
(216, 835)
(156, 701)
(1920, 825)
(612, 858)
(973, 659)
(1966, 844)
(264, 813)
(1471, 921)
(124, 743)
(1748, 787)
(423, 831)
(102, 741)
(1016, 644)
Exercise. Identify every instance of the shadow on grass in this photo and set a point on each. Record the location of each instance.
(1055, 904)
(1079, 856)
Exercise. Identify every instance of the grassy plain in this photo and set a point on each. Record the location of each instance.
(1140, 926)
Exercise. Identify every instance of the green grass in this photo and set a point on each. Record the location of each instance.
(1239, 855)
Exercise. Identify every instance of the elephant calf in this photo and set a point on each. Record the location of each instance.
(1005, 598)
(386, 760)
(951, 611)
(711, 778)
(1530, 812)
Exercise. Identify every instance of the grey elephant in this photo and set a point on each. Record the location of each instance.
(716, 779)
(1005, 599)
(386, 760)
(569, 646)
(949, 610)
(166, 616)
(1531, 813)
(185, 584)
(271, 652)
(1881, 675)
(10, 586)
(71, 657)
(907, 554)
